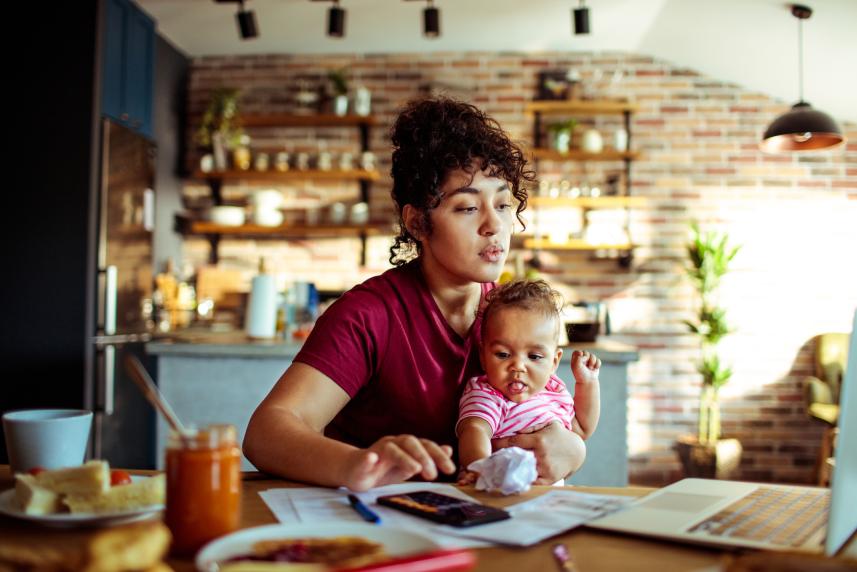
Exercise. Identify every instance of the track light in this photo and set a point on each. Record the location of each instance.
(431, 21)
(802, 128)
(581, 19)
(246, 22)
(336, 21)
(246, 19)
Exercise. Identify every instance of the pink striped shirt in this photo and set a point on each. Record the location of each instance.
(507, 418)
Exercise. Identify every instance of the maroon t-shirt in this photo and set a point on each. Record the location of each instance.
(386, 343)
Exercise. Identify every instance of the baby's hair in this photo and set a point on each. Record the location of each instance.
(530, 295)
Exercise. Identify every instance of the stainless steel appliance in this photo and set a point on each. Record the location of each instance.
(123, 431)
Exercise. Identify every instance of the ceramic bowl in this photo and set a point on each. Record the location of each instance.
(227, 216)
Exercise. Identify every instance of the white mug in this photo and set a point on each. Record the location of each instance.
(46, 438)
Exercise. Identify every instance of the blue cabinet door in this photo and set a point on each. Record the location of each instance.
(128, 66)
(113, 59)
(139, 70)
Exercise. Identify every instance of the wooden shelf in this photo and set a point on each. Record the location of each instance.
(578, 155)
(313, 120)
(587, 202)
(288, 231)
(580, 106)
(290, 175)
(545, 244)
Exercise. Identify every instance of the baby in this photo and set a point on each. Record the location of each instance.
(519, 392)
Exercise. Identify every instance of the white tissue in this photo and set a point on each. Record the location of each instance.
(509, 471)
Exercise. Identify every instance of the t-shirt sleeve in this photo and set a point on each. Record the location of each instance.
(561, 400)
(346, 340)
(479, 401)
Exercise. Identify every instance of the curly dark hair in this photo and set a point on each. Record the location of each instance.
(531, 295)
(434, 136)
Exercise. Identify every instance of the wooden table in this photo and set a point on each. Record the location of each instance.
(592, 550)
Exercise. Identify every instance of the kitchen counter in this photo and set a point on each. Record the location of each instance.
(237, 344)
(220, 377)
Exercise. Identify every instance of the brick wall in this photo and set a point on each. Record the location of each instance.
(796, 217)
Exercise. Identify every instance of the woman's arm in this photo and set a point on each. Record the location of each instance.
(285, 438)
(559, 452)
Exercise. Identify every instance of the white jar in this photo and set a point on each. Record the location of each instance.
(592, 141)
(620, 140)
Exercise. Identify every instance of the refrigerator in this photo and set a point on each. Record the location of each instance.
(124, 422)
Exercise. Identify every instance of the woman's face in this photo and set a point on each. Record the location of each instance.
(471, 229)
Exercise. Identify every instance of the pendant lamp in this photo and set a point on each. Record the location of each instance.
(802, 128)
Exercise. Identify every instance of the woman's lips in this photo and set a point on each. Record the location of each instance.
(492, 254)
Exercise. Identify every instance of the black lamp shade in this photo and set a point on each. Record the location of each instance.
(431, 22)
(801, 129)
(336, 22)
(581, 20)
(247, 24)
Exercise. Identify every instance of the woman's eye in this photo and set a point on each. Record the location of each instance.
(504, 207)
(466, 209)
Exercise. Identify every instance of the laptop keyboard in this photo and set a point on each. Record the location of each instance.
(786, 516)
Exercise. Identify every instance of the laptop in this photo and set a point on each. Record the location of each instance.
(754, 515)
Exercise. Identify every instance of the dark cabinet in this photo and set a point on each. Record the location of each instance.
(128, 65)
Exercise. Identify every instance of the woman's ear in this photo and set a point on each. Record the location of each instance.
(412, 217)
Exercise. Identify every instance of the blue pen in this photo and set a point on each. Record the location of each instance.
(363, 510)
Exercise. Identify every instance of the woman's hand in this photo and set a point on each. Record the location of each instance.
(559, 452)
(395, 459)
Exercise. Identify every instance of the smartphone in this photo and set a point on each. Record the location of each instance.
(443, 508)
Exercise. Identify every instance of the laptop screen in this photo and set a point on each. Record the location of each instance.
(843, 517)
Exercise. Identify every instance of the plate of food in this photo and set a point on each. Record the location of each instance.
(88, 495)
(311, 546)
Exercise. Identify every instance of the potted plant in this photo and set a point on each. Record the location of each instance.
(561, 134)
(221, 125)
(706, 454)
(339, 85)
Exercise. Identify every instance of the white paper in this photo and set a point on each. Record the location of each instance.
(548, 515)
(316, 504)
(532, 521)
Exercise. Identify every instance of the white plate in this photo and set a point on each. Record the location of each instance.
(396, 542)
(9, 507)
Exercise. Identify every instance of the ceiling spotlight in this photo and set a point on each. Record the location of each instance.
(581, 19)
(802, 128)
(431, 21)
(246, 22)
(336, 21)
(246, 19)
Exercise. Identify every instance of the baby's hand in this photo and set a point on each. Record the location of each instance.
(466, 477)
(585, 367)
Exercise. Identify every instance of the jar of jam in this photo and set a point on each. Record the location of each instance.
(203, 487)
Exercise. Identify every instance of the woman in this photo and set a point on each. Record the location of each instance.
(372, 397)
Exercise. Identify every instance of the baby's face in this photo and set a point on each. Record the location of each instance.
(519, 352)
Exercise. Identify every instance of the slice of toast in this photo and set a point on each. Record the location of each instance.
(143, 493)
(91, 478)
(35, 499)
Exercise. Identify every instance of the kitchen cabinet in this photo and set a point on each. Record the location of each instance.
(128, 66)
(540, 153)
(217, 179)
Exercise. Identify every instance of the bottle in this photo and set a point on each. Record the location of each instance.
(261, 319)
(203, 487)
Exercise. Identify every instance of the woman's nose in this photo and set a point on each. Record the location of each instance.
(491, 224)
